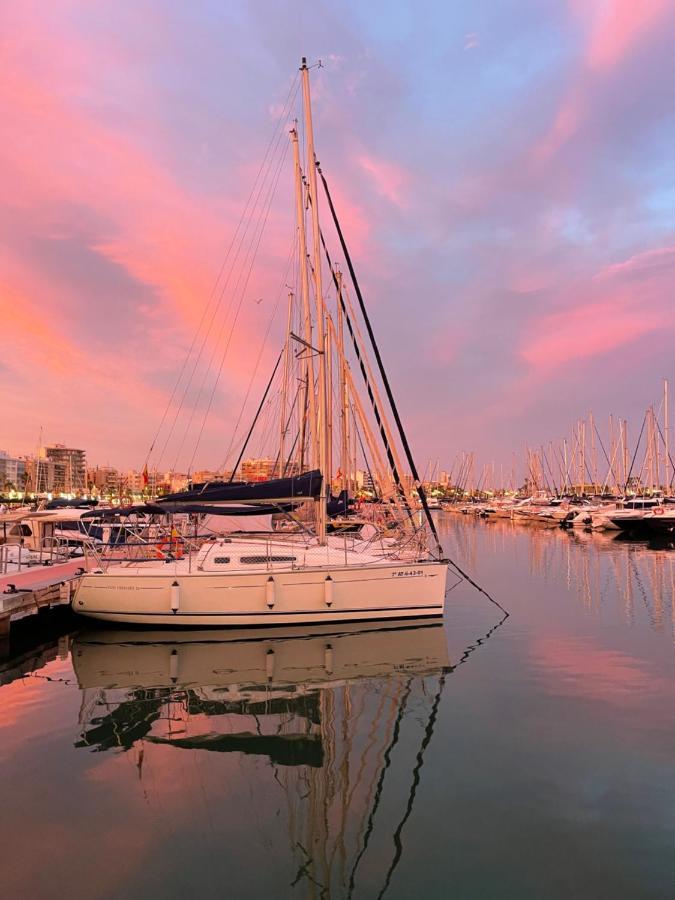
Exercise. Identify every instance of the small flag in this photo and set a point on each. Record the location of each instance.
(145, 475)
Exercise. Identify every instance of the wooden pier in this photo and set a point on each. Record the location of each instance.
(27, 592)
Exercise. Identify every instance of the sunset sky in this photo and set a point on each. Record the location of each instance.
(505, 171)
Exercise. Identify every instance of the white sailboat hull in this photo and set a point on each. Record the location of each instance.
(263, 598)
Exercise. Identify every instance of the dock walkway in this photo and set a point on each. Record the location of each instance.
(26, 592)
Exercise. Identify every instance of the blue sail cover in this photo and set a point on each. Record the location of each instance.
(299, 487)
(166, 509)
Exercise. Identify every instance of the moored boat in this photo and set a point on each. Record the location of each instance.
(307, 575)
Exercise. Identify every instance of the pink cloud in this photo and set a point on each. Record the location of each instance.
(617, 27)
(389, 179)
(561, 338)
(646, 263)
(564, 126)
(67, 158)
(620, 303)
(614, 29)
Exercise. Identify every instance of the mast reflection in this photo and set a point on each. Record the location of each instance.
(342, 717)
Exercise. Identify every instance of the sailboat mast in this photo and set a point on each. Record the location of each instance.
(284, 389)
(329, 408)
(344, 398)
(322, 431)
(308, 403)
(667, 479)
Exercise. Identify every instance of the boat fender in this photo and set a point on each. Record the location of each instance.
(270, 592)
(328, 658)
(269, 664)
(328, 590)
(175, 597)
(173, 665)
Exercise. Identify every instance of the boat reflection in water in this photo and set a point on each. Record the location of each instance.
(323, 709)
(599, 569)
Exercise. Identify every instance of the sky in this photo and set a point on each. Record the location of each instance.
(505, 172)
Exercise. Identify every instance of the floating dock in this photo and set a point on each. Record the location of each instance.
(26, 592)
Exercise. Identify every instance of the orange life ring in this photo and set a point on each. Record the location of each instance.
(658, 511)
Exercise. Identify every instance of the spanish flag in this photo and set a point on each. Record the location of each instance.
(145, 475)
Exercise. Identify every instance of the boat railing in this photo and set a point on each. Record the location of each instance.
(134, 544)
(15, 557)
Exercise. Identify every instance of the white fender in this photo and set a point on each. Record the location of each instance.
(270, 592)
(328, 658)
(269, 664)
(175, 597)
(328, 590)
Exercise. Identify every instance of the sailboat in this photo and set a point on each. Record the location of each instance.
(391, 568)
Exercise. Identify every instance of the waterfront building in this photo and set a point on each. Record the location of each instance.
(70, 468)
(105, 479)
(134, 482)
(175, 481)
(203, 476)
(40, 475)
(258, 469)
(12, 473)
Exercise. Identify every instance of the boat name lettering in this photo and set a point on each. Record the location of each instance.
(403, 573)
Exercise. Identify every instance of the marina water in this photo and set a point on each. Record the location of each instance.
(479, 757)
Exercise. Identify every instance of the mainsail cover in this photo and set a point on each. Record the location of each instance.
(299, 487)
(165, 509)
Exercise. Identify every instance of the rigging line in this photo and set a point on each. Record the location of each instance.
(262, 349)
(365, 457)
(255, 419)
(257, 215)
(637, 447)
(602, 447)
(380, 785)
(670, 458)
(392, 403)
(254, 218)
(288, 425)
(380, 364)
(269, 420)
(238, 310)
(355, 335)
(428, 734)
(290, 99)
(254, 254)
(553, 488)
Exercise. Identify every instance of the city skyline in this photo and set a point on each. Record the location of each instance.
(509, 209)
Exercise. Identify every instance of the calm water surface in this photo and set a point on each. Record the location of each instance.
(529, 759)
